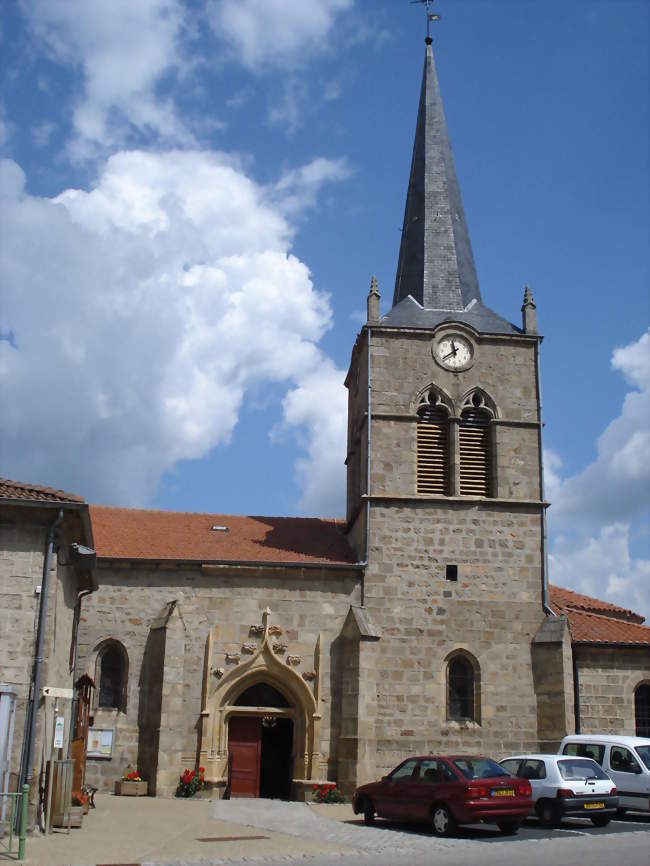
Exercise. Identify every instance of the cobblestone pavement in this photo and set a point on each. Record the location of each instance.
(299, 819)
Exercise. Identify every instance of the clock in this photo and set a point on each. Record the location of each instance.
(453, 352)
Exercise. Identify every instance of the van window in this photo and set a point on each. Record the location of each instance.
(644, 753)
(585, 750)
(623, 761)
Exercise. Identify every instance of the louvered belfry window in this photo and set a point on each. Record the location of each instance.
(474, 447)
(433, 446)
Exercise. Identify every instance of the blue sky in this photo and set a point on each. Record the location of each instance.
(195, 196)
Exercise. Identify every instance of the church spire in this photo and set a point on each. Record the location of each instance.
(436, 265)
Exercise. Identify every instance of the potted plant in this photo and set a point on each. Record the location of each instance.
(131, 785)
(190, 782)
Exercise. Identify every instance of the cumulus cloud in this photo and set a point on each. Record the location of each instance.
(124, 50)
(593, 512)
(281, 32)
(141, 311)
(316, 410)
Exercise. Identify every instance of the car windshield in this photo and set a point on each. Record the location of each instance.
(644, 753)
(480, 768)
(573, 769)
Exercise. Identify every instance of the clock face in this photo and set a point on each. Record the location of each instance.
(453, 351)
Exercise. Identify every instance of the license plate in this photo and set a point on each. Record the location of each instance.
(503, 792)
(594, 805)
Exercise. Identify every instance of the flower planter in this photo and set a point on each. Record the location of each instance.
(76, 816)
(131, 789)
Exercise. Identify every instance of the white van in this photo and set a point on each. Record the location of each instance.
(626, 760)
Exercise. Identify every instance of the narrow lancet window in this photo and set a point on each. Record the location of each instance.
(432, 445)
(474, 447)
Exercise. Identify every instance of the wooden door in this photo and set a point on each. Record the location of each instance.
(245, 746)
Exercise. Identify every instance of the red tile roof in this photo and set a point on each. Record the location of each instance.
(135, 534)
(592, 628)
(35, 492)
(568, 598)
(596, 622)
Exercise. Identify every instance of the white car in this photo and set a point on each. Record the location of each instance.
(626, 760)
(566, 786)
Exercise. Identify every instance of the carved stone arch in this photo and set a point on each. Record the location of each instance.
(478, 399)
(432, 396)
(264, 666)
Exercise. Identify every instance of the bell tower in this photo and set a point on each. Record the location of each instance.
(445, 481)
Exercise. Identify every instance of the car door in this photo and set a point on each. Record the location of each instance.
(391, 797)
(421, 791)
(535, 771)
(625, 771)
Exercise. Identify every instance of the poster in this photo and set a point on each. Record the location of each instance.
(100, 742)
(59, 729)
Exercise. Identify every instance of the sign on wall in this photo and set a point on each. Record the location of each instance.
(100, 743)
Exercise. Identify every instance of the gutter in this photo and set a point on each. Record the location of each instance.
(544, 542)
(75, 701)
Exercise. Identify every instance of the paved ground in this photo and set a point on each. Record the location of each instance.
(125, 831)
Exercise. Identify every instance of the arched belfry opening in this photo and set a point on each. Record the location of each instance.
(260, 724)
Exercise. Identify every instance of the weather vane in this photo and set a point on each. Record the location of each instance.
(431, 16)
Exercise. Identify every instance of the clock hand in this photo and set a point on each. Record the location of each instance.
(450, 355)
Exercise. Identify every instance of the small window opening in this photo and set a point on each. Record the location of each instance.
(111, 679)
(451, 572)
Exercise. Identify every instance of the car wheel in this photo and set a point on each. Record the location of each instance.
(368, 812)
(548, 814)
(600, 820)
(442, 820)
(508, 828)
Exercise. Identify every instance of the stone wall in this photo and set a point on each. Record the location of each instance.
(23, 542)
(21, 572)
(493, 612)
(607, 680)
(226, 602)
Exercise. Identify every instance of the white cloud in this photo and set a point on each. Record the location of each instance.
(593, 511)
(602, 567)
(124, 49)
(142, 312)
(298, 188)
(281, 32)
(317, 411)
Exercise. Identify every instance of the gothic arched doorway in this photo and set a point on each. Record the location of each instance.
(260, 743)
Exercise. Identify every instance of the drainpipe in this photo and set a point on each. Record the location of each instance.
(544, 545)
(364, 563)
(73, 708)
(576, 690)
(40, 639)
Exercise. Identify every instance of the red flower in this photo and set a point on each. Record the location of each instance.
(201, 769)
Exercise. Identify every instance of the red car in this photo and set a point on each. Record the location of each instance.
(444, 791)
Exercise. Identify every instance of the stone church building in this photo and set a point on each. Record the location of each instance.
(278, 652)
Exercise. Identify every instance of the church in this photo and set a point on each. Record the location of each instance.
(277, 653)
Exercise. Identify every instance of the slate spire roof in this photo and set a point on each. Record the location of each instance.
(436, 277)
(436, 265)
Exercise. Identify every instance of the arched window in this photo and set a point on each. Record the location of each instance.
(463, 688)
(432, 445)
(112, 674)
(262, 695)
(474, 446)
(642, 710)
